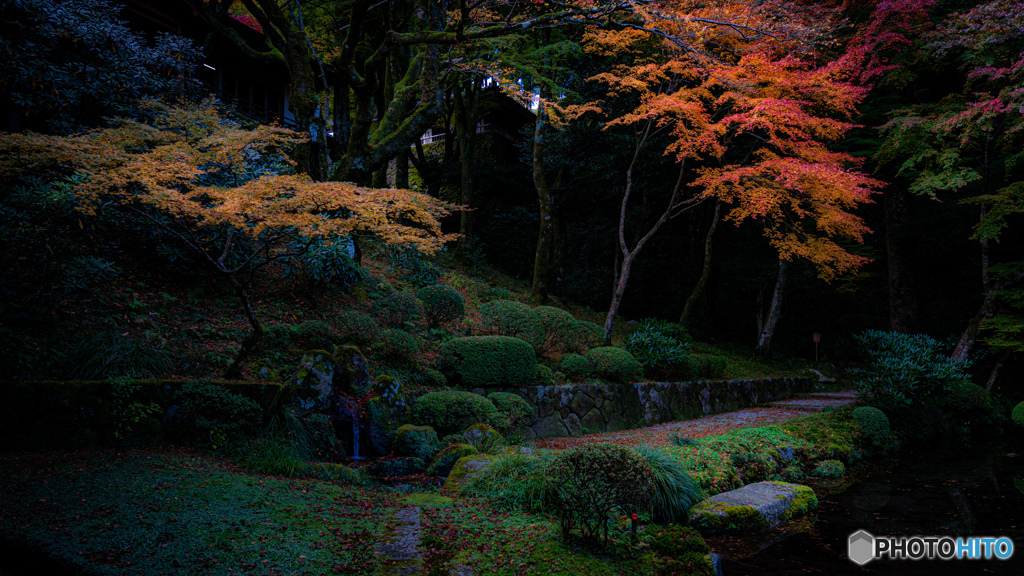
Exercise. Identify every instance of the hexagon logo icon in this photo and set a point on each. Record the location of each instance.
(861, 547)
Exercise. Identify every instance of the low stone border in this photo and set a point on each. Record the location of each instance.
(575, 409)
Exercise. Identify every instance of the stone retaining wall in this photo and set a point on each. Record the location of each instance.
(576, 409)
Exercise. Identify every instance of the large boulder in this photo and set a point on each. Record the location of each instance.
(753, 508)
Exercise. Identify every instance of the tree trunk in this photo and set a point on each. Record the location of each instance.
(698, 291)
(466, 119)
(545, 236)
(402, 171)
(767, 328)
(994, 375)
(249, 343)
(901, 295)
(620, 290)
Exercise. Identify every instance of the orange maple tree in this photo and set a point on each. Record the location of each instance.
(749, 116)
(202, 179)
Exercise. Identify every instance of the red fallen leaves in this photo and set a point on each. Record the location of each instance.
(660, 435)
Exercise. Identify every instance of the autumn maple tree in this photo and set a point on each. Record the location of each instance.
(206, 182)
(749, 117)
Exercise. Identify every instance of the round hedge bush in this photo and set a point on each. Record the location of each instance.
(357, 328)
(482, 361)
(441, 304)
(511, 318)
(874, 423)
(416, 442)
(513, 409)
(313, 334)
(545, 376)
(614, 364)
(451, 411)
(397, 309)
(575, 365)
(967, 400)
(584, 336)
(397, 345)
(558, 326)
(1018, 414)
(433, 378)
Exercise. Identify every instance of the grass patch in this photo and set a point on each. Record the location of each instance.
(176, 511)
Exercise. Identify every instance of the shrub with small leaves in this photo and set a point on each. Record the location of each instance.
(397, 309)
(441, 304)
(319, 261)
(584, 336)
(591, 482)
(873, 423)
(494, 293)
(614, 364)
(433, 377)
(511, 318)
(397, 346)
(558, 326)
(213, 413)
(1018, 414)
(575, 366)
(545, 376)
(315, 335)
(357, 328)
(127, 413)
(680, 550)
(451, 411)
(416, 442)
(482, 361)
(517, 411)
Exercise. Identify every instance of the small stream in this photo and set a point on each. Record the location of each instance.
(978, 492)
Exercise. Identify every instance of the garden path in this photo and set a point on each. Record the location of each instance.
(714, 424)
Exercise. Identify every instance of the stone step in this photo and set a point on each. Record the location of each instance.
(811, 404)
(753, 508)
(840, 395)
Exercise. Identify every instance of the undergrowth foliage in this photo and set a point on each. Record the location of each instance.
(907, 369)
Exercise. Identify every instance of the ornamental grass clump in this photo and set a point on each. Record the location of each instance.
(674, 489)
(514, 481)
(589, 484)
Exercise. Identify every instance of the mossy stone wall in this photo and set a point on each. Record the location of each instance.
(575, 409)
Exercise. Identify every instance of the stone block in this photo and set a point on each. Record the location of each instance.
(753, 508)
(593, 421)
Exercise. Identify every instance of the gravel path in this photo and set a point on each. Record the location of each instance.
(711, 425)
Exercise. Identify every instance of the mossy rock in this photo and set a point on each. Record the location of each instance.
(753, 508)
(446, 458)
(484, 437)
(416, 442)
(1018, 414)
(465, 469)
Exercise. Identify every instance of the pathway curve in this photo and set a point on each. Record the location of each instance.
(660, 435)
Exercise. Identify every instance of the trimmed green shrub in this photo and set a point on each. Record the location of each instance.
(583, 337)
(398, 346)
(416, 442)
(545, 376)
(558, 326)
(511, 318)
(575, 366)
(706, 367)
(590, 482)
(450, 411)
(967, 401)
(513, 408)
(874, 424)
(357, 328)
(906, 369)
(447, 458)
(614, 364)
(315, 335)
(398, 467)
(433, 378)
(397, 309)
(481, 361)
(1018, 414)
(829, 469)
(659, 352)
(441, 304)
(674, 489)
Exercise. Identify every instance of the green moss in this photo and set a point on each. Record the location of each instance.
(829, 469)
(719, 518)
(804, 502)
(1018, 414)
(463, 470)
(427, 500)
